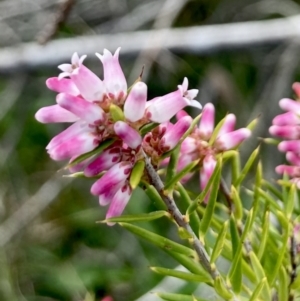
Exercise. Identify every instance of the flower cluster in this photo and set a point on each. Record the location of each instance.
(287, 127)
(202, 144)
(103, 110)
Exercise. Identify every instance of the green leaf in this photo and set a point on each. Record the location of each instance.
(155, 197)
(264, 235)
(238, 253)
(184, 234)
(283, 285)
(221, 288)
(181, 174)
(252, 124)
(172, 166)
(182, 275)
(296, 283)
(260, 275)
(97, 151)
(219, 243)
(247, 167)
(136, 174)
(291, 199)
(238, 206)
(199, 199)
(116, 113)
(258, 290)
(209, 211)
(235, 167)
(148, 128)
(281, 252)
(144, 217)
(158, 240)
(185, 199)
(178, 297)
(215, 133)
(268, 198)
(235, 274)
(190, 264)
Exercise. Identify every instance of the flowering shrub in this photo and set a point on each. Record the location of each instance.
(123, 140)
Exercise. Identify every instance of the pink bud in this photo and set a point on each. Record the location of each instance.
(207, 121)
(290, 105)
(114, 78)
(232, 139)
(174, 134)
(289, 146)
(134, 107)
(130, 136)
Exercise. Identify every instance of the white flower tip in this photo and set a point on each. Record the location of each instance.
(99, 56)
(184, 86)
(75, 58)
(39, 116)
(230, 119)
(117, 52)
(82, 58)
(195, 104)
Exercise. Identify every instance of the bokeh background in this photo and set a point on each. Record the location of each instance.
(242, 55)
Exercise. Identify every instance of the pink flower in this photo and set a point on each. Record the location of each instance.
(198, 145)
(287, 127)
(162, 109)
(102, 110)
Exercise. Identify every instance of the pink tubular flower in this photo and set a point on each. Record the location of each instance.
(161, 109)
(287, 127)
(198, 145)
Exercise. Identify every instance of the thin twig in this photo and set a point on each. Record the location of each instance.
(179, 218)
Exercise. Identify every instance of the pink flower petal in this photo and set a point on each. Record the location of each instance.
(293, 158)
(228, 125)
(209, 164)
(188, 145)
(118, 173)
(88, 83)
(232, 139)
(54, 114)
(164, 108)
(134, 107)
(130, 136)
(288, 118)
(289, 146)
(114, 78)
(207, 121)
(290, 105)
(104, 162)
(87, 111)
(73, 130)
(174, 134)
(73, 147)
(292, 171)
(63, 85)
(119, 202)
(106, 198)
(286, 131)
(296, 88)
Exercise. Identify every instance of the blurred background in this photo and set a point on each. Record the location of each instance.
(242, 55)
